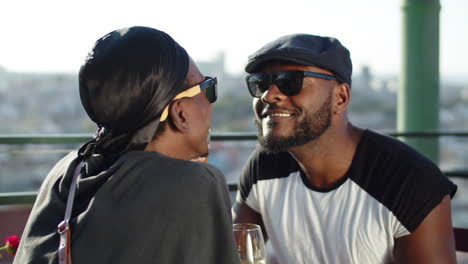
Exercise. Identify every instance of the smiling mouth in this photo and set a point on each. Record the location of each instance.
(273, 111)
(279, 115)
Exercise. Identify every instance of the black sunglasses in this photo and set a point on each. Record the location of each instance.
(288, 82)
(209, 85)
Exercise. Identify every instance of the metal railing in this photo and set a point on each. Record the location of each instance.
(15, 198)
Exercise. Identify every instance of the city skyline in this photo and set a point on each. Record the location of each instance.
(53, 36)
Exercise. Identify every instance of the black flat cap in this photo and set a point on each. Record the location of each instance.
(309, 50)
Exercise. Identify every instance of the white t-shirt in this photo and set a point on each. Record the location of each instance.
(386, 193)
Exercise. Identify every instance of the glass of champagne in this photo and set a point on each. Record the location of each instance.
(250, 243)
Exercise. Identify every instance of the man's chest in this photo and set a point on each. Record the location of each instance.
(342, 224)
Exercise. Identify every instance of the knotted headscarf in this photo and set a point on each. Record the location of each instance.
(127, 79)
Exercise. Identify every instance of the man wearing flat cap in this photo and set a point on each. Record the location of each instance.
(324, 190)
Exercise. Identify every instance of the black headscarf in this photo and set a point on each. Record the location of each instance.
(127, 79)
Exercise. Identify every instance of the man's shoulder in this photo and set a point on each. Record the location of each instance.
(403, 180)
(381, 159)
(384, 149)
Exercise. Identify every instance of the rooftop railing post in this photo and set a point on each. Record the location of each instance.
(418, 97)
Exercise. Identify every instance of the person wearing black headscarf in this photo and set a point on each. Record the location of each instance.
(140, 196)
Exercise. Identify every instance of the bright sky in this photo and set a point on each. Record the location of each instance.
(50, 35)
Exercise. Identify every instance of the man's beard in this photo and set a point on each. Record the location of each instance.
(310, 128)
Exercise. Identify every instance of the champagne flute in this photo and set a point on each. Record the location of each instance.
(250, 243)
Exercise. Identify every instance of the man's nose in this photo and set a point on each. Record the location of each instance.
(272, 94)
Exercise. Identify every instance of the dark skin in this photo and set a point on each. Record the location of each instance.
(186, 131)
(326, 159)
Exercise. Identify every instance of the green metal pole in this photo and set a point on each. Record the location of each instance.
(418, 97)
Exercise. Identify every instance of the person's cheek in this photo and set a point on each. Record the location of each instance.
(257, 107)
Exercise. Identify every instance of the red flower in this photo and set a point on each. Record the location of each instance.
(12, 243)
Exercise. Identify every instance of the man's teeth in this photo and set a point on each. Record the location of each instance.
(280, 114)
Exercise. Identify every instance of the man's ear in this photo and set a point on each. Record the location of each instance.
(178, 116)
(342, 95)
